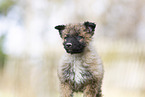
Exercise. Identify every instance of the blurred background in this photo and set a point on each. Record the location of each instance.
(30, 47)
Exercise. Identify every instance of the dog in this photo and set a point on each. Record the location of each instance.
(81, 69)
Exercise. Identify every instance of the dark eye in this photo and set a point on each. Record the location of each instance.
(65, 37)
(80, 37)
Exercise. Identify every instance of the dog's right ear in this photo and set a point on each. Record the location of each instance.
(60, 28)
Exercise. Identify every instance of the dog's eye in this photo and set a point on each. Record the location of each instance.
(65, 37)
(80, 37)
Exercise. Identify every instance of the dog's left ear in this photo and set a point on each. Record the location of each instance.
(90, 27)
(60, 28)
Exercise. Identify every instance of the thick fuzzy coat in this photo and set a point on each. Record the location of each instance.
(81, 69)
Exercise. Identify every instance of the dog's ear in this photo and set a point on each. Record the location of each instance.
(90, 27)
(60, 28)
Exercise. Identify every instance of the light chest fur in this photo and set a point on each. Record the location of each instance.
(79, 70)
(73, 68)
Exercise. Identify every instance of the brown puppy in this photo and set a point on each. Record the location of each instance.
(81, 69)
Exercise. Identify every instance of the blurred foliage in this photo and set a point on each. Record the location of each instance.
(5, 5)
(2, 55)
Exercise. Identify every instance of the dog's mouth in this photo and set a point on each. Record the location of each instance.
(74, 49)
(70, 51)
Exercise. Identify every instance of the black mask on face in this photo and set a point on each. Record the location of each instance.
(73, 45)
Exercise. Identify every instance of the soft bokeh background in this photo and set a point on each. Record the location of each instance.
(30, 47)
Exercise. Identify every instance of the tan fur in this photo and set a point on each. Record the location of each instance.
(73, 66)
(77, 29)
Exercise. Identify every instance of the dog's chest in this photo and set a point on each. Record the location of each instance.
(78, 73)
(78, 69)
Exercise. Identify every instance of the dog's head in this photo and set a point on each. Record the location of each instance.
(76, 36)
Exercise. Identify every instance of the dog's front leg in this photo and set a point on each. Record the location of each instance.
(65, 90)
(91, 91)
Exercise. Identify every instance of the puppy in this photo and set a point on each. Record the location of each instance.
(81, 69)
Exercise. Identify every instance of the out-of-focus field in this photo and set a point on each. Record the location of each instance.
(30, 47)
(124, 63)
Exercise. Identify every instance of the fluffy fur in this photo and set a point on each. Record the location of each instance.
(83, 71)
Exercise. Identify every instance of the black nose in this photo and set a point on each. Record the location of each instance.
(68, 45)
